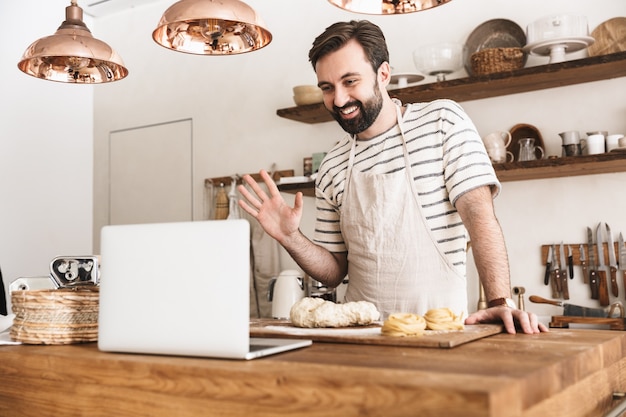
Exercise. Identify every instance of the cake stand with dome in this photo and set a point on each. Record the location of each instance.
(556, 36)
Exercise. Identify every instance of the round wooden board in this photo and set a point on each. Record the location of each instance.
(610, 37)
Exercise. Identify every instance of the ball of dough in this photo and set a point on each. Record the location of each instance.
(317, 312)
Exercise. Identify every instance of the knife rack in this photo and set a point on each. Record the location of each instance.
(576, 252)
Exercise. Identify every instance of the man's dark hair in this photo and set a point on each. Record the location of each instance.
(367, 34)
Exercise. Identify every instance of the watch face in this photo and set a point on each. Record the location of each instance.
(510, 303)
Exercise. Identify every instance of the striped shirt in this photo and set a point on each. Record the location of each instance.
(447, 158)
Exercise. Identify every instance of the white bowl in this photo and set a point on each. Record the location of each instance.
(439, 59)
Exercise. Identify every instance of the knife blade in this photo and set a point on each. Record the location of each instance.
(622, 257)
(603, 289)
(564, 286)
(546, 276)
(612, 261)
(583, 263)
(622, 252)
(580, 311)
(593, 276)
(570, 261)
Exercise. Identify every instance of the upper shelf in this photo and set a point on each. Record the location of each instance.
(473, 88)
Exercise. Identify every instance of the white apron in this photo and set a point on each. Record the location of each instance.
(393, 261)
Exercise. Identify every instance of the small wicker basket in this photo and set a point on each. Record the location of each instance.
(492, 60)
(55, 317)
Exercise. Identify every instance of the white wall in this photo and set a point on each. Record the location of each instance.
(233, 102)
(46, 151)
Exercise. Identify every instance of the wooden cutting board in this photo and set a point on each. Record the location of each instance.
(610, 37)
(370, 335)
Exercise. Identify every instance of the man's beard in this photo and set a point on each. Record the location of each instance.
(369, 111)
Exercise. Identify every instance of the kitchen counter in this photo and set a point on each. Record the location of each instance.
(561, 373)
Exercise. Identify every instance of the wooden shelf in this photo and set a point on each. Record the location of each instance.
(528, 170)
(473, 88)
(307, 188)
(562, 167)
(216, 181)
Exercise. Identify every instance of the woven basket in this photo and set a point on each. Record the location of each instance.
(492, 60)
(55, 317)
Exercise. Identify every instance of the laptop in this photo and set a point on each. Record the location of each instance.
(180, 288)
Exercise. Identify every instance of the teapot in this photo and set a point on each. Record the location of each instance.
(284, 291)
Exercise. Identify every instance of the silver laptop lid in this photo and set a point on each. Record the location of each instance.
(176, 288)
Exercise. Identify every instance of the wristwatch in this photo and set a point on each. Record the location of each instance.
(502, 302)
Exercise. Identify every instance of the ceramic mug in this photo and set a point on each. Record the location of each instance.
(622, 142)
(612, 141)
(593, 144)
(496, 144)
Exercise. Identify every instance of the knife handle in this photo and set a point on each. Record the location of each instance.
(546, 276)
(603, 288)
(555, 284)
(564, 287)
(541, 300)
(585, 272)
(593, 284)
(614, 289)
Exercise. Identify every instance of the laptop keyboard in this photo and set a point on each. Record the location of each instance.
(254, 348)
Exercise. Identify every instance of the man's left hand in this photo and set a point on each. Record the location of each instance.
(512, 318)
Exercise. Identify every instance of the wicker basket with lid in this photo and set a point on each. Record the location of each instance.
(493, 60)
(55, 317)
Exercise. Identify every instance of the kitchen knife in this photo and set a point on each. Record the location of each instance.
(580, 311)
(593, 277)
(555, 274)
(563, 264)
(546, 276)
(612, 261)
(570, 261)
(603, 289)
(583, 263)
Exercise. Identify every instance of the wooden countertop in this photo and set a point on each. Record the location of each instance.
(561, 373)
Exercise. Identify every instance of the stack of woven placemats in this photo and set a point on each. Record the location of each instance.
(55, 317)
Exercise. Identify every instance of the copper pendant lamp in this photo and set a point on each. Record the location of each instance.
(385, 7)
(211, 27)
(72, 54)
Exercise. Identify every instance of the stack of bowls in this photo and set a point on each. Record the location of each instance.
(307, 94)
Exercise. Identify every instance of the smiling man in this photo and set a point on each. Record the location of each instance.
(398, 197)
